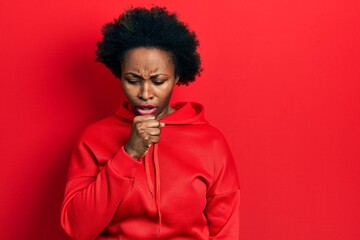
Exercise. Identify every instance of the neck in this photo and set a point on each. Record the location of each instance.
(168, 111)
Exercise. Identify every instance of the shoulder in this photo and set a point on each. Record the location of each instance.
(212, 133)
(223, 164)
(218, 141)
(208, 137)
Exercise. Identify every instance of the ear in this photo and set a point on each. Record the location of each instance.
(177, 79)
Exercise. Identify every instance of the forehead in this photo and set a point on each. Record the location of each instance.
(147, 59)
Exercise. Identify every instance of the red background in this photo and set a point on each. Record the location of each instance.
(281, 81)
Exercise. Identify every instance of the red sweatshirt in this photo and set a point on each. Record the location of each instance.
(185, 187)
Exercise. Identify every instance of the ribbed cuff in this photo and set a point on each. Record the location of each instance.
(123, 164)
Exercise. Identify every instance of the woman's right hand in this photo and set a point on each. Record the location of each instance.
(145, 131)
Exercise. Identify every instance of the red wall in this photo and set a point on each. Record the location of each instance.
(281, 81)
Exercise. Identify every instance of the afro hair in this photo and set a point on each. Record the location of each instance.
(152, 28)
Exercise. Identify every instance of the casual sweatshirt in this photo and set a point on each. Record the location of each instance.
(185, 187)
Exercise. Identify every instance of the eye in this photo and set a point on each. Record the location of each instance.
(132, 81)
(157, 80)
(158, 83)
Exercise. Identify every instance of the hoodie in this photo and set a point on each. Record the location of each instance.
(185, 187)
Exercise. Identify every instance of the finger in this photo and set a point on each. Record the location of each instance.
(151, 123)
(139, 127)
(153, 131)
(139, 120)
(150, 128)
(149, 133)
(153, 139)
(142, 118)
(150, 140)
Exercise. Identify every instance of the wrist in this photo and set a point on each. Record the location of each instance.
(132, 153)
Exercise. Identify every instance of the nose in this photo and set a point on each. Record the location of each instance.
(145, 92)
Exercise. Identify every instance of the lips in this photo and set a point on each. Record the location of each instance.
(145, 109)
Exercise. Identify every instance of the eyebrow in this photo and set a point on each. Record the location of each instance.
(138, 76)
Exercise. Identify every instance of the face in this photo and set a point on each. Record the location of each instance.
(148, 79)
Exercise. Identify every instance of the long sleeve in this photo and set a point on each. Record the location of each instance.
(94, 192)
(223, 197)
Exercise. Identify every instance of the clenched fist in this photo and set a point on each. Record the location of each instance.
(144, 132)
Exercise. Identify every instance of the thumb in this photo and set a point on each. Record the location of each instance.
(162, 124)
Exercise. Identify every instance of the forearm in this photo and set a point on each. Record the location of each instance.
(91, 201)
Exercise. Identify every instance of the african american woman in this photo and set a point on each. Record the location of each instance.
(153, 170)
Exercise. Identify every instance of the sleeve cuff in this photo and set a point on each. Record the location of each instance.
(123, 164)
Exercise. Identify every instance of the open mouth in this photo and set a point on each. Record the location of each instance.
(145, 109)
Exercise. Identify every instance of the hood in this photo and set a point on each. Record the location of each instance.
(186, 113)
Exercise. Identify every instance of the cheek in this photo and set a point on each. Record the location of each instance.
(167, 93)
(129, 92)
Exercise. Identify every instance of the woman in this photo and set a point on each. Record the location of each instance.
(152, 170)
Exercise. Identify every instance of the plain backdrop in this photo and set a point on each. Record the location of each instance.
(280, 80)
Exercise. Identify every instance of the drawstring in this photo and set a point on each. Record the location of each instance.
(157, 181)
(155, 193)
(148, 175)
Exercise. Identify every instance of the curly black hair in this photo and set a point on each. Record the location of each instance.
(152, 28)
